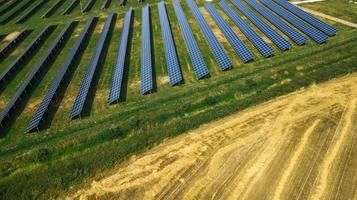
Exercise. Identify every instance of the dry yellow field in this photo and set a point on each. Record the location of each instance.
(299, 146)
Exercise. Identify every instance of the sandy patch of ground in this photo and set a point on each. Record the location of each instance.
(12, 36)
(299, 146)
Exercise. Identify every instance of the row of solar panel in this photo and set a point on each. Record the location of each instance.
(31, 80)
(198, 63)
(31, 12)
(221, 56)
(86, 83)
(59, 79)
(147, 82)
(26, 53)
(170, 51)
(13, 43)
(117, 79)
(172, 63)
(8, 7)
(17, 12)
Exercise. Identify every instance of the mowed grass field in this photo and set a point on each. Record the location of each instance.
(66, 153)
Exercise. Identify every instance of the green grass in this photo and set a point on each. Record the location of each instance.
(44, 165)
(341, 8)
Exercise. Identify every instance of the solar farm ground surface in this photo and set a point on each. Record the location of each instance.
(66, 152)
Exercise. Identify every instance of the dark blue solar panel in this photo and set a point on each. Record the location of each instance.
(28, 51)
(51, 92)
(31, 12)
(297, 37)
(195, 54)
(43, 63)
(105, 4)
(310, 31)
(322, 26)
(13, 43)
(115, 89)
(88, 6)
(172, 63)
(221, 57)
(53, 9)
(238, 46)
(121, 2)
(71, 6)
(147, 84)
(274, 36)
(252, 36)
(88, 77)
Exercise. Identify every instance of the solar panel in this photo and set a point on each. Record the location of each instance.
(87, 79)
(147, 83)
(51, 92)
(43, 63)
(88, 6)
(9, 7)
(105, 4)
(28, 51)
(297, 37)
(238, 46)
(53, 9)
(17, 12)
(172, 63)
(252, 36)
(274, 36)
(310, 31)
(117, 79)
(31, 12)
(13, 43)
(121, 2)
(322, 26)
(198, 63)
(220, 55)
(70, 8)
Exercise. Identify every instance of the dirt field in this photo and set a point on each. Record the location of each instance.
(300, 146)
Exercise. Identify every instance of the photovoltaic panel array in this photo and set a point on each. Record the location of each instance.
(220, 55)
(117, 79)
(43, 63)
(53, 9)
(172, 63)
(198, 63)
(274, 36)
(147, 84)
(12, 44)
(28, 51)
(88, 77)
(71, 6)
(17, 12)
(297, 37)
(51, 92)
(310, 31)
(239, 47)
(31, 12)
(88, 6)
(9, 7)
(252, 36)
(322, 26)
